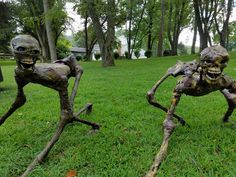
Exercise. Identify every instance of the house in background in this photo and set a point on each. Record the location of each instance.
(123, 47)
(78, 51)
(81, 51)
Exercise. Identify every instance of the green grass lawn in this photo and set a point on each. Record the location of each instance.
(131, 129)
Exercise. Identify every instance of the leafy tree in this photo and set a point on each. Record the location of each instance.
(151, 12)
(51, 39)
(135, 12)
(63, 48)
(204, 16)
(31, 20)
(178, 19)
(161, 31)
(86, 39)
(224, 9)
(105, 37)
(8, 26)
(232, 36)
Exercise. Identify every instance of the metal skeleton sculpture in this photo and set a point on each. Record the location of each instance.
(55, 75)
(198, 78)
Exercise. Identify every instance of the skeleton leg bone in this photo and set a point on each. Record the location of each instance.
(169, 127)
(41, 156)
(66, 117)
(75, 87)
(231, 100)
(19, 101)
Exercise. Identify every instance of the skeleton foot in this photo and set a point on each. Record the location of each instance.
(92, 124)
(168, 130)
(87, 109)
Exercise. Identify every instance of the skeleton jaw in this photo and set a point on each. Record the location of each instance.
(213, 74)
(27, 63)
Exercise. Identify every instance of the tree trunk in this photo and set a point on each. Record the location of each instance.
(160, 37)
(43, 41)
(203, 40)
(194, 38)
(107, 52)
(86, 37)
(129, 37)
(204, 13)
(150, 23)
(51, 40)
(224, 33)
(105, 40)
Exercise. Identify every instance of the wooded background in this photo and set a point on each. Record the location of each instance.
(152, 25)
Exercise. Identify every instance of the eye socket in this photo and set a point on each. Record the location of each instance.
(35, 52)
(21, 49)
(207, 61)
(224, 61)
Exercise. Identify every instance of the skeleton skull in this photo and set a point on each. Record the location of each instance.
(26, 51)
(212, 61)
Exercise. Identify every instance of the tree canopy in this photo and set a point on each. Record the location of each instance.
(151, 25)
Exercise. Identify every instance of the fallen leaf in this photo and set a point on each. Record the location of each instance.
(71, 173)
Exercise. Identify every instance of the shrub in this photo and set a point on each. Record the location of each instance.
(63, 48)
(137, 53)
(148, 53)
(97, 56)
(182, 49)
(116, 55)
(79, 57)
(126, 54)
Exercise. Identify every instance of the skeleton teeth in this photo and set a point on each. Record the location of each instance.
(213, 75)
(214, 72)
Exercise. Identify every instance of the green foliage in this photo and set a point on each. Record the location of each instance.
(7, 26)
(79, 58)
(182, 49)
(232, 36)
(131, 129)
(116, 55)
(126, 54)
(137, 53)
(32, 18)
(97, 56)
(148, 53)
(63, 48)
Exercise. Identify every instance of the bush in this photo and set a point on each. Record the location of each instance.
(148, 53)
(63, 48)
(126, 54)
(116, 55)
(97, 56)
(137, 53)
(79, 57)
(182, 49)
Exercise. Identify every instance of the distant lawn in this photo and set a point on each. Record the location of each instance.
(131, 129)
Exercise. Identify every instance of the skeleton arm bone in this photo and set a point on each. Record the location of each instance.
(78, 74)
